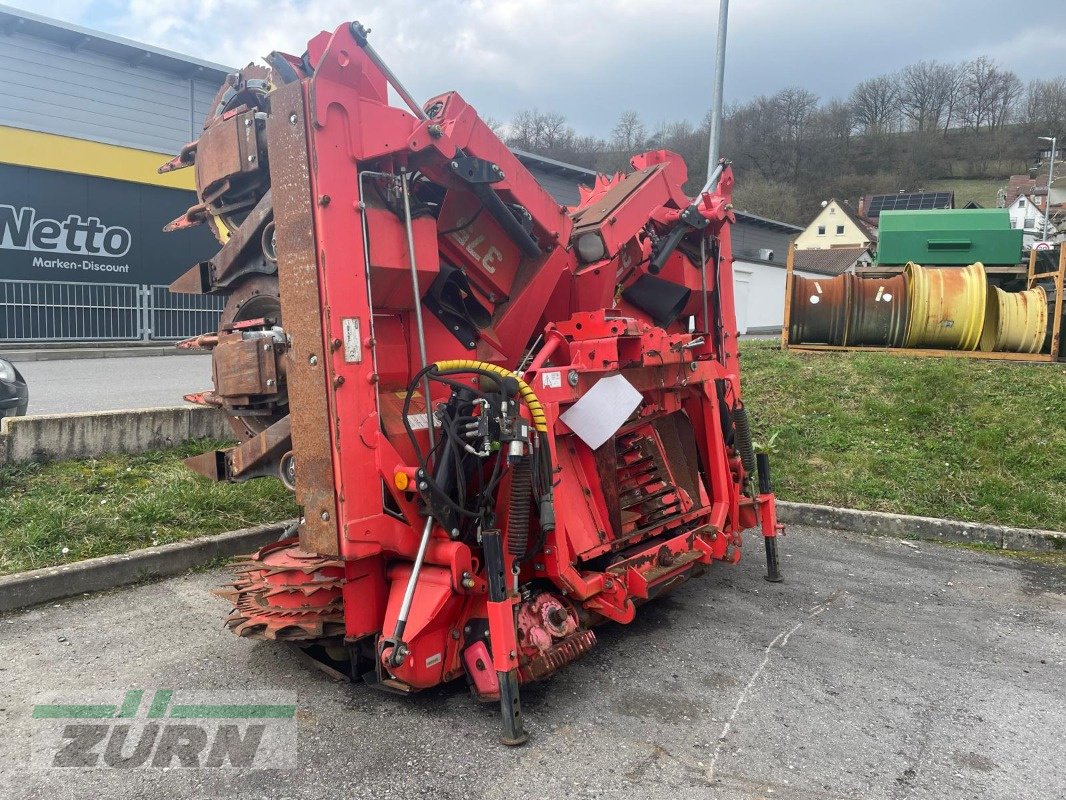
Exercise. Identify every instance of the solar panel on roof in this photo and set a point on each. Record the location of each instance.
(908, 201)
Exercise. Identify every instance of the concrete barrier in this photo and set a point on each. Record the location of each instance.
(109, 572)
(878, 523)
(86, 435)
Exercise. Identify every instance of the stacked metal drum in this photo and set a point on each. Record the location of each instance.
(945, 308)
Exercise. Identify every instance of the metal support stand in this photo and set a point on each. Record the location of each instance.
(773, 561)
(503, 641)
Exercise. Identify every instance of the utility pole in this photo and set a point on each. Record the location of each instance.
(713, 153)
(1050, 174)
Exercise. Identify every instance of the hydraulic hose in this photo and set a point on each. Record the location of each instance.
(529, 397)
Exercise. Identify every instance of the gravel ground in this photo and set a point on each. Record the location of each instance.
(879, 669)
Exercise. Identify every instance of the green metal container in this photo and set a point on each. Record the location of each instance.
(958, 236)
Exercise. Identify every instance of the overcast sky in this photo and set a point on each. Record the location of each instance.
(592, 59)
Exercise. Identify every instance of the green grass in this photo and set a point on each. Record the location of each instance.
(983, 190)
(965, 439)
(66, 511)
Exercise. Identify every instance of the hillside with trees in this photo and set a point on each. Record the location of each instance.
(931, 123)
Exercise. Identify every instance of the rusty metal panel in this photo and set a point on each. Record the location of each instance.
(302, 312)
(227, 149)
(243, 368)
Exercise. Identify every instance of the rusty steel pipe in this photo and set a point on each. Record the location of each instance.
(819, 311)
(1015, 322)
(878, 312)
(947, 306)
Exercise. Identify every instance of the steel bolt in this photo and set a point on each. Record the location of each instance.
(325, 516)
(270, 381)
(513, 654)
(338, 381)
(292, 118)
(502, 176)
(251, 158)
(313, 360)
(422, 486)
(692, 366)
(324, 200)
(572, 377)
(247, 123)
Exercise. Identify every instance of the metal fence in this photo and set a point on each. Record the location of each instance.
(65, 311)
(179, 316)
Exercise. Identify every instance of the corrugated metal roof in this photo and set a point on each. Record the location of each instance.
(15, 21)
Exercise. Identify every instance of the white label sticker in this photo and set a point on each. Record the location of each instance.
(433, 659)
(418, 422)
(353, 343)
(551, 380)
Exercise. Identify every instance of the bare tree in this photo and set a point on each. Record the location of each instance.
(927, 91)
(875, 104)
(629, 134)
(541, 132)
(989, 93)
(1043, 107)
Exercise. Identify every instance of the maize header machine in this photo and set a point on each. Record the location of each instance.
(506, 421)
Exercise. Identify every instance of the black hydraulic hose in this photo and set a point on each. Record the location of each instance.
(502, 214)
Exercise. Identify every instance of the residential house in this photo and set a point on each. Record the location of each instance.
(836, 225)
(1027, 215)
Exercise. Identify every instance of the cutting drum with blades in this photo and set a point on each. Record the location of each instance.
(506, 421)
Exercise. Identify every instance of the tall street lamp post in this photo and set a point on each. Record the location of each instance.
(1050, 173)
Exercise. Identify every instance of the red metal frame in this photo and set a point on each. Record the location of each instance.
(665, 497)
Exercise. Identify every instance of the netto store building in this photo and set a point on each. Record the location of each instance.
(85, 121)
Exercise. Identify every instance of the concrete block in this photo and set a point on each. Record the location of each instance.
(91, 434)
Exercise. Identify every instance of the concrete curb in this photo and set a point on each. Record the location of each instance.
(18, 355)
(94, 433)
(878, 523)
(109, 572)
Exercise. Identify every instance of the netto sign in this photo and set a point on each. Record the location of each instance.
(57, 226)
(20, 229)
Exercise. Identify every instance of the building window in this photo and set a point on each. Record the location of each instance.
(1021, 202)
(1030, 222)
(840, 230)
(821, 230)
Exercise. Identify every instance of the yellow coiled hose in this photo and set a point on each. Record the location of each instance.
(529, 397)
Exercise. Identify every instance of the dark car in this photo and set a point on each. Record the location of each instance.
(14, 394)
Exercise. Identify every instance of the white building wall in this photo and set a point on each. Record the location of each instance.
(759, 296)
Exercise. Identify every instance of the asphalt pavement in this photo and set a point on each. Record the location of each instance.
(107, 384)
(879, 669)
